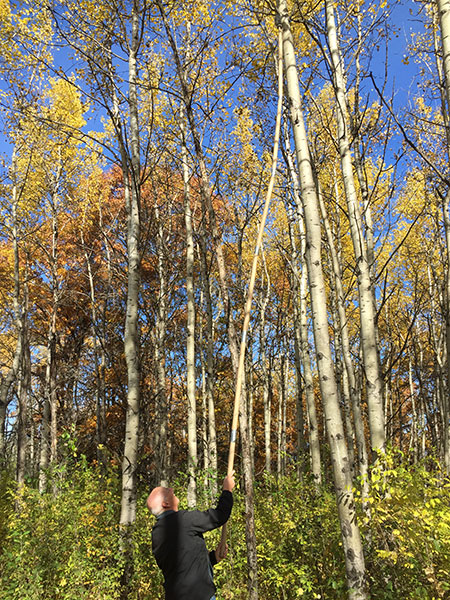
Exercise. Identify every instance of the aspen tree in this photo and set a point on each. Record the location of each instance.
(302, 319)
(345, 343)
(20, 367)
(265, 369)
(23, 391)
(159, 342)
(208, 208)
(21, 72)
(50, 373)
(352, 546)
(444, 20)
(301, 439)
(190, 340)
(209, 351)
(365, 291)
(97, 326)
(49, 158)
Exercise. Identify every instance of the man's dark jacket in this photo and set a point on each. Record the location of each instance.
(180, 550)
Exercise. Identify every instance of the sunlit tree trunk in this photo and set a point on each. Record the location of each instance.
(159, 340)
(265, 369)
(345, 345)
(444, 20)
(280, 386)
(446, 401)
(300, 419)
(132, 188)
(98, 352)
(438, 340)
(209, 351)
(302, 323)
(49, 424)
(190, 341)
(365, 292)
(22, 396)
(351, 539)
(413, 441)
(23, 345)
(207, 200)
(248, 366)
(356, 121)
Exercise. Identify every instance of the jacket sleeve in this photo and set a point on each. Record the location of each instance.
(214, 517)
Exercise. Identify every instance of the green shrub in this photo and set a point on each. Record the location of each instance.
(65, 544)
(409, 530)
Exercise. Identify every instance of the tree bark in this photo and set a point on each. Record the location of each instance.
(351, 539)
(265, 370)
(365, 292)
(132, 187)
(363, 463)
(210, 375)
(300, 419)
(190, 341)
(22, 394)
(23, 347)
(208, 209)
(313, 426)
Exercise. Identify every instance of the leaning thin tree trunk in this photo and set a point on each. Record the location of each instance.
(351, 539)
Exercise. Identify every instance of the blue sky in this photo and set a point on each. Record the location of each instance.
(403, 75)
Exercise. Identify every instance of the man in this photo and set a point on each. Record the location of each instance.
(178, 544)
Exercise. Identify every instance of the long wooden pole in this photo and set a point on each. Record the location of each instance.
(248, 304)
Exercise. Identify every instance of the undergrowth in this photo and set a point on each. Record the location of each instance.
(65, 544)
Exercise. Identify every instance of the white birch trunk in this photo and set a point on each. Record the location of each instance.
(98, 349)
(161, 416)
(21, 362)
(212, 434)
(300, 419)
(444, 20)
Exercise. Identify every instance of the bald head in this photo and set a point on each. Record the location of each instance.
(162, 499)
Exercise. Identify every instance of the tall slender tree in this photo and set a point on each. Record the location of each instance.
(352, 545)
